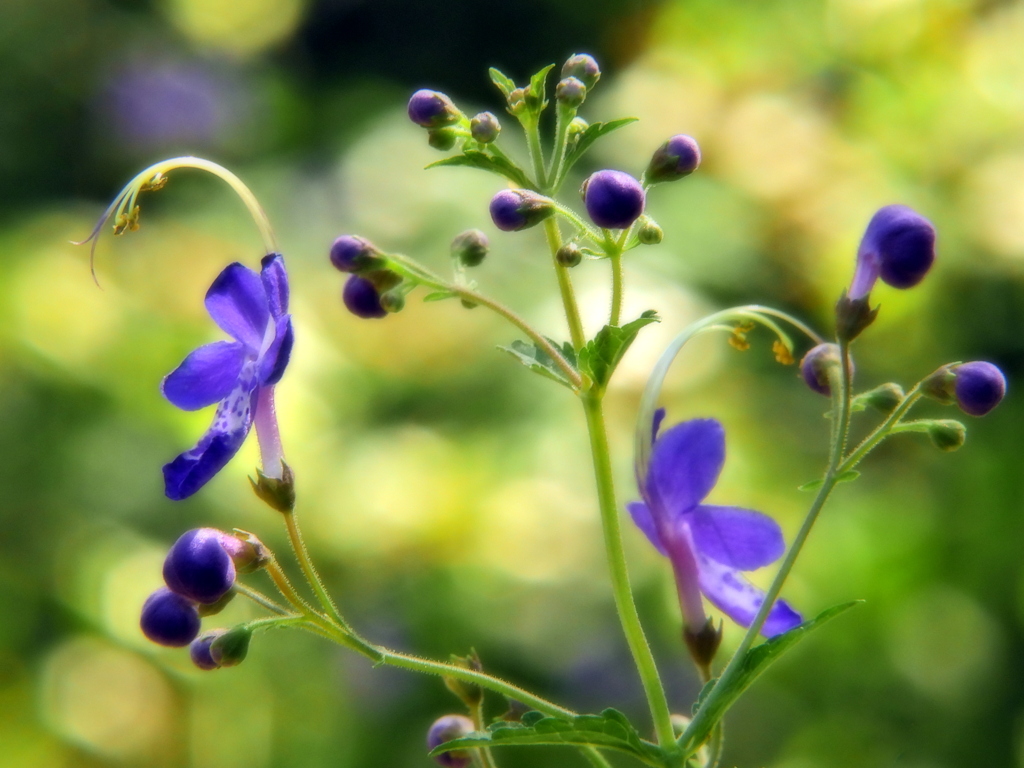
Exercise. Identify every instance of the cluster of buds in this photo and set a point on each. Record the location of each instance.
(371, 291)
(199, 575)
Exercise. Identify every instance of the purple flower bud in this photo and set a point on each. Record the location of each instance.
(350, 253)
(515, 209)
(470, 248)
(979, 387)
(898, 246)
(169, 619)
(583, 67)
(199, 650)
(816, 366)
(484, 127)
(362, 298)
(198, 566)
(445, 729)
(677, 157)
(614, 199)
(432, 109)
(571, 91)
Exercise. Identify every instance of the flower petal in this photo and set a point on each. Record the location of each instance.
(207, 375)
(737, 598)
(641, 515)
(740, 538)
(275, 359)
(194, 468)
(684, 466)
(237, 302)
(275, 283)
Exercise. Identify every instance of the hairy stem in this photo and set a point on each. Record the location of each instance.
(572, 310)
(309, 570)
(260, 599)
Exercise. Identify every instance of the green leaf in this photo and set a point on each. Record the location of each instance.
(474, 158)
(504, 83)
(593, 132)
(813, 485)
(754, 663)
(439, 296)
(609, 730)
(538, 86)
(843, 477)
(600, 356)
(539, 361)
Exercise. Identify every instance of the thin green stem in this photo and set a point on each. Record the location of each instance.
(572, 310)
(284, 586)
(258, 597)
(563, 118)
(531, 126)
(272, 622)
(716, 747)
(477, 714)
(594, 757)
(309, 570)
(841, 396)
(882, 430)
(621, 590)
(573, 218)
(616, 311)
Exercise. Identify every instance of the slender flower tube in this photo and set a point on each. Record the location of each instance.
(708, 546)
(238, 375)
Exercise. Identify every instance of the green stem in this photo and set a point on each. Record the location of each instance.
(840, 384)
(621, 590)
(717, 745)
(616, 259)
(882, 430)
(563, 117)
(531, 126)
(309, 570)
(284, 586)
(572, 310)
(477, 714)
(594, 757)
(259, 598)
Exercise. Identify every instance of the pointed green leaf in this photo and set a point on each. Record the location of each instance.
(474, 158)
(538, 85)
(600, 356)
(754, 663)
(504, 83)
(589, 136)
(813, 485)
(609, 730)
(848, 476)
(439, 296)
(539, 361)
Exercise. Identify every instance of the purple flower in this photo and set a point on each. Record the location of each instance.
(448, 728)
(614, 199)
(169, 619)
(979, 387)
(238, 375)
(199, 566)
(708, 546)
(898, 246)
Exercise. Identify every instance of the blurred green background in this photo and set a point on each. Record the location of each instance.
(446, 492)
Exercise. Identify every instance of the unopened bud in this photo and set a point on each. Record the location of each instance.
(449, 728)
(515, 209)
(884, 398)
(442, 138)
(940, 386)
(470, 247)
(470, 693)
(676, 158)
(484, 127)
(570, 92)
(980, 387)
(649, 233)
(432, 109)
(947, 434)
(583, 67)
(818, 365)
(231, 648)
(393, 301)
(569, 255)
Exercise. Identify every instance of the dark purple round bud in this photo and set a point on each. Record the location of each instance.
(583, 67)
(614, 199)
(362, 298)
(515, 209)
(445, 729)
(979, 387)
(484, 127)
(350, 253)
(817, 365)
(677, 157)
(432, 109)
(169, 619)
(570, 91)
(198, 567)
(898, 246)
(470, 247)
(199, 650)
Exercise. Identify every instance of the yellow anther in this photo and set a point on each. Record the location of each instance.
(157, 181)
(782, 353)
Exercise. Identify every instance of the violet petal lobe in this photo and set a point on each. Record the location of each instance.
(641, 515)
(206, 376)
(740, 600)
(739, 538)
(194, 468)
(275, 283)
(275, 359)
(237, 302)
(685, 463)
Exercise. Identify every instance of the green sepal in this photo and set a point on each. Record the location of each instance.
(843, 477)
(474, 158)
(503, 83)
(600, 356)
(277, 494)
(755, 662)
(593, 132)
(609, 730)
(231, 648)
(539, 361)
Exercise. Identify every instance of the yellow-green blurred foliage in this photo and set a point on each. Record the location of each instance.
(446, 492)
